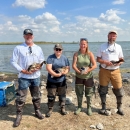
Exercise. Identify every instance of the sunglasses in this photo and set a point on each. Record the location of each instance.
(112, 50)
(85, 39)
(30, 50)
(57, 49)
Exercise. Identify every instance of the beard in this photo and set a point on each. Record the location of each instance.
(111, 41)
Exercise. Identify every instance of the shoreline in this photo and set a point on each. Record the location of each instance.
(10, 76)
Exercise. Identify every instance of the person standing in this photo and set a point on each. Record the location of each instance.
(83, 64)
(110, 57)
(57, 67)
(23, 56)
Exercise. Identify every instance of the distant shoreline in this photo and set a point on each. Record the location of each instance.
(43, 42)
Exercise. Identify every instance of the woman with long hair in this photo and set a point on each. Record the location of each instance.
(83, 64)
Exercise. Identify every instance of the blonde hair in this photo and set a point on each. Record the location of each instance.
(87, 49)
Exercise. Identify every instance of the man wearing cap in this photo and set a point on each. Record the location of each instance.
(110, 57)
(57, 67)
(23, 56)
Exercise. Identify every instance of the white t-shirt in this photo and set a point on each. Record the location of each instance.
(110, 53)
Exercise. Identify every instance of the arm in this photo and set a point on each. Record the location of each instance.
(74, 66)
(49, 69)
(93, 61)
(101, 61)
(14, 60)
(66, 70)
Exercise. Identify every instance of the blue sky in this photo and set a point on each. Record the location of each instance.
(64, 20)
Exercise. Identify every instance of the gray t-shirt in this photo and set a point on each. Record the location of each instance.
(57, 63)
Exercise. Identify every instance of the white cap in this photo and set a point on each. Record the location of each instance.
(112, 32)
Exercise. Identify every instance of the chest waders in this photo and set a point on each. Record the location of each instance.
(89, 91)
(52, 93)
(20, 101)
(119, 93)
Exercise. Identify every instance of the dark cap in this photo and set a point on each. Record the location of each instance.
(58, 46)
(27, 31)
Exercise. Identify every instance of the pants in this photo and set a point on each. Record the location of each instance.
(56, 89)
(105, 76)
(21, 94)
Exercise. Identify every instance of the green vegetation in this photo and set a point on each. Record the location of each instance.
(36, 42)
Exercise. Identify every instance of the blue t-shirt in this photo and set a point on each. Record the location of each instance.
(57, 63)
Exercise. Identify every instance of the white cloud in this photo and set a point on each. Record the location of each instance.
(13, 28)
(47, 27)
(24, 18)
(46, 18)
(118, 2)
(111, 16)
(97, 30)
(1, 27)
(10, 26)
(9, 23)
(55, 30)
(30, 4)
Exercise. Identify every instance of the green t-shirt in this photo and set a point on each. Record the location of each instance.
(83, 60)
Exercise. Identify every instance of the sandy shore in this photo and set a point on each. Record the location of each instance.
(70, 121)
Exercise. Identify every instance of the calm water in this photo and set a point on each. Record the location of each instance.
(69, 49)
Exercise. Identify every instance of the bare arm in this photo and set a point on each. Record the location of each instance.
(49, 69)
(66, 70)
(93, 61)
(74, 66)
(101, 61)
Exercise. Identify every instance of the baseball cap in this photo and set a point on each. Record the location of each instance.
(27, 31)
(58, 46)
(112, 32)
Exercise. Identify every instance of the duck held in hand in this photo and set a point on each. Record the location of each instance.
(116, 62)
(34, 66)
(60, 70)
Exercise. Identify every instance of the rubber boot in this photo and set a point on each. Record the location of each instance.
(103, 103)
(36, 104)
(79, 89)
(62, 100)
(19, 107)
(79, 105)
(89, 91)
(89, 110)
(63, 112)
(36, 99)
(51, 101)
(119, 105)
(119, 93)
(48, 114)
(103, 90)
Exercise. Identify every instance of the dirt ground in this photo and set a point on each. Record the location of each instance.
(69, 121)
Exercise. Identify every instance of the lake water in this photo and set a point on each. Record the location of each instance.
(69, 49)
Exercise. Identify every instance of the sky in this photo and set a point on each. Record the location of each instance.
(64, 20)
